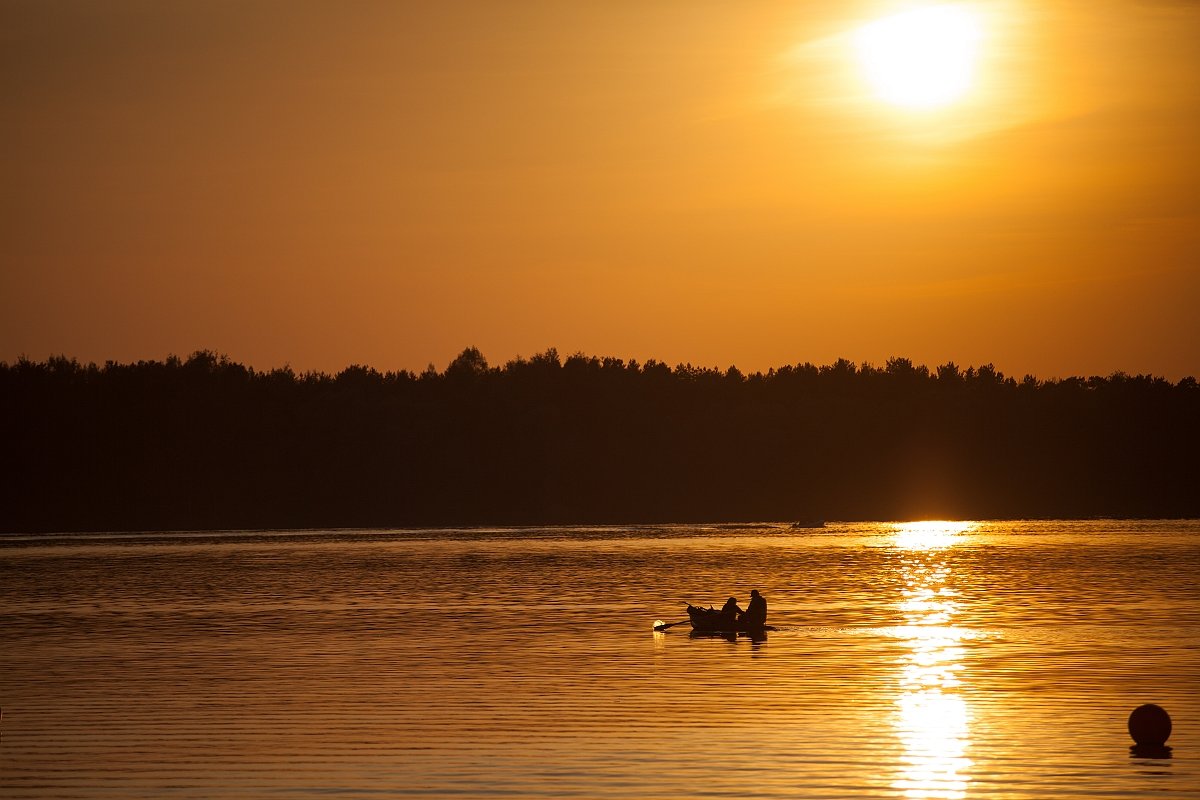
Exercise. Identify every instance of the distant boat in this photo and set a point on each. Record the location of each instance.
(808, 523)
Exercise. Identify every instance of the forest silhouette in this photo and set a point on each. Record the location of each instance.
(208, 443)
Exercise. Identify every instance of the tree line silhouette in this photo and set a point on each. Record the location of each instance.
(209, 443)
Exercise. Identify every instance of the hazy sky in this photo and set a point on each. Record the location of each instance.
(709, 181)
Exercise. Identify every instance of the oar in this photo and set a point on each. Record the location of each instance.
(664, 626)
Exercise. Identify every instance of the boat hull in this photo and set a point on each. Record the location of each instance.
(706, 620)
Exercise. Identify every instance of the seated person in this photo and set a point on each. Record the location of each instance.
(730, 613)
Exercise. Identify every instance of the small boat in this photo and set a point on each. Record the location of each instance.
(709, 620)
(808, 523)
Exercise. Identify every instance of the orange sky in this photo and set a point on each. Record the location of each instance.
(689, 180)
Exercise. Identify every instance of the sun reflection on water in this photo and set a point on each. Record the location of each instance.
(932, 718)
(929, 534)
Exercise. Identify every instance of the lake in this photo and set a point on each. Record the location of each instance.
(923, 660)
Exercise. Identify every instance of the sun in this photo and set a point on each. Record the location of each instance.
(921, 58)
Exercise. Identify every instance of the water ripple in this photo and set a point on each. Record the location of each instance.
(951, 661)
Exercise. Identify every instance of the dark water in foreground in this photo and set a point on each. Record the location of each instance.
(928, 661)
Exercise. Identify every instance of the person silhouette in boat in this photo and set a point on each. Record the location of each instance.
(755, 615)
(730, 613)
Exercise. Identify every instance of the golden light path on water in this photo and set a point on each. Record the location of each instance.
(932, 718)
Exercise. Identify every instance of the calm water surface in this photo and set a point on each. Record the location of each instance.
(920, 661)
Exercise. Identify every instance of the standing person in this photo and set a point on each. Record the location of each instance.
(756, 612)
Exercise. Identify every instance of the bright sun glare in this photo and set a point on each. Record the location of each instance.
(929, 534)
(922, 58)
